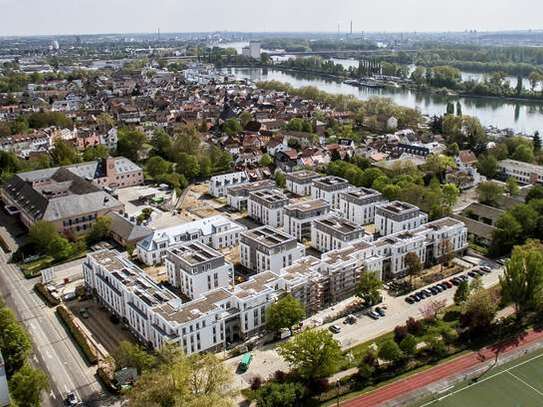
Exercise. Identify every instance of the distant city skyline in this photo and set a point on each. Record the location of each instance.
(62, 17)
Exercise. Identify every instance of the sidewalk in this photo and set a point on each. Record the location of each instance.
(457, 367)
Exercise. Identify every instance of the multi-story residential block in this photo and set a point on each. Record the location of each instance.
(266, 207)
(298, 217)
(237, 196)
(217, 231)
(267, 248)
(394, 217)
(218, 184)
(358, 205)
(329, 188)
(197, 269)
(299, 182)
(110, 139)
(332, 232)
(524, 173)
(57, 195)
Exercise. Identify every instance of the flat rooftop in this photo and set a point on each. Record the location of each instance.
(269, 195)
(362, 193)
(330, 181)
(255, 285)
(339, 224)
(304, 175)
(196, 253)
(268, 236)
(308, 206)
(399, 207)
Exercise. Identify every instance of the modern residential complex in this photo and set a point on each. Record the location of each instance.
(218, 184)
(298, 218)
(299, 182)
(393, 217)
(237, 196)
(266, 207)
(217, 231)
(525, 173)
(358, 205)
(267, 248)
(329, 189)
(332, 232)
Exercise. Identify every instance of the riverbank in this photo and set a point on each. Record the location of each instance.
(421, 91)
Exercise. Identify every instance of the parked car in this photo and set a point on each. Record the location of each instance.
(350, 319)
(245, 361)
(486, 269)
(448, 284)
(409, 300)
(427, 292)
(438, 288)
(71, 400)
(472, 274)
(502, 261)
(443, 286)
(335, 329)
(455, 281)
(380, 311)
(373, 315)
(417, 297)
(480, 272)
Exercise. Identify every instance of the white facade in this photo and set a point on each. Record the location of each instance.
(358, 205)
(329, 188)
(394, 217)
(267, 206)
(331, 233)
(218, 232)
(237, 196)
(219, 183)
(110, 139)
(266, 248)
(197, 269)
(524, 173)
(299, 182)
(298, 218)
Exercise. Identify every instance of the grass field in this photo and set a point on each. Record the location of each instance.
(515, 384)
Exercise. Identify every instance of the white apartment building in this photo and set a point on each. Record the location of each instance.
(197, 269)
(298, 218)
(237, 196)
(299, 182)
(394, 217)
(525, 173)
(266, 207)
(267, 248)
(217, 231)
(218, 184)
(329, 188)
(358, 205)
(332, 232)
(110, 139)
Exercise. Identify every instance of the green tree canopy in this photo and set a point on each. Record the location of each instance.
(64, 153)
(369, 288)
(129, 354)
(100, 230)
(313, 354)
(280, 395)
(489, 193)
(130, 143)
(284, 313)
(390, 351)
(26, 386)
(41, 234)
(157, 166)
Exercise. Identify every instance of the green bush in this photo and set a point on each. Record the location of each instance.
(87, 348)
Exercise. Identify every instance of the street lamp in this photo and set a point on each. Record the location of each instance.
(337, 393)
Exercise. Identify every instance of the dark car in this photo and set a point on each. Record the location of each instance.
(417, 297)
(373, 315)
(71, 400)
(463, 277)
(448, 284)
(433, 291)
(409, 300)
(380, 311)
(427, 292)
(472, 274)
(443, 286)
(438, 288)
(486, 269)
(455, 281)
(480, 272)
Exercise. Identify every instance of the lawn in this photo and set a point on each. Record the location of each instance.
(517, 383)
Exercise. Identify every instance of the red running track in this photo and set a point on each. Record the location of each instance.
(454, 367)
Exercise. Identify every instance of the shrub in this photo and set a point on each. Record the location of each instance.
(409, 345)
(256, 383)
(318, 386)
(280, 376)
(414, 327)
(400, 332)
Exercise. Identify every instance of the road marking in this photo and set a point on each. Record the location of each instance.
(484, 380)
(525, 383)
(52, 395)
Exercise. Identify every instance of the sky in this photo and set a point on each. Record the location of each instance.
(44, 17)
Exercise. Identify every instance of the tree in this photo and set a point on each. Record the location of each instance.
(41, 234)
(157, 166)
(462, 293)
(369, 288)
(59, 248)
(187, 165)
(26, 386)
(280, 395)
(95, 153)
(390, 351)
(536, 142)
(431, 309)
(280, 179)
(187, 140)
(508, 233)
(266, 160)
(489, 193)
(535, 193)
(313, 354)
(100, 230)
(64, 153)
(414, 265)
(232, 127)
(284, 313)
(409, 345)
(130, 143)
(522, 281)
(245, 118)
(206, 167)
(511, 186)
(105, 121)
(162, 144)
(523, 153)
(450, 195)
(478, 312)
(487, 165)
(15, 343)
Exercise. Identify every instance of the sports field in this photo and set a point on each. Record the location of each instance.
(516, 384)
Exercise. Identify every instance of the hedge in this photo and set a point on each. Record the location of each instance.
(44, 293)
(87, 348)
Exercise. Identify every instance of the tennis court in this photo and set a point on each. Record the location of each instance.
(515, 384)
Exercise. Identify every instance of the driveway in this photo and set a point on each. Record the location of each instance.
(266, 362)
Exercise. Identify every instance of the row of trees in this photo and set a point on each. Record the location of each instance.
(25, 382)
(36, 120)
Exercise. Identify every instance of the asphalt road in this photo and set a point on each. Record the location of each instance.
(54, 350)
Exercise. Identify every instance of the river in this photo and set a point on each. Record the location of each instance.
(523, 116)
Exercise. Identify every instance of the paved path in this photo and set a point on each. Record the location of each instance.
(457, 366)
